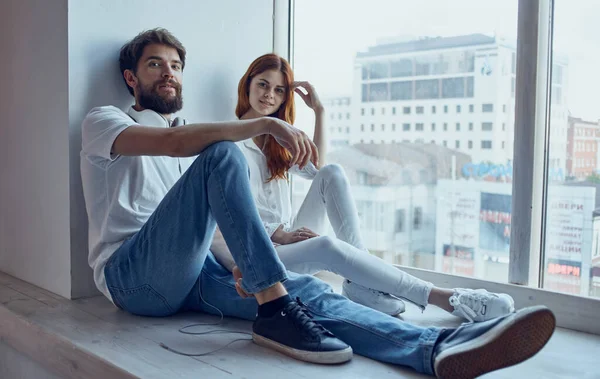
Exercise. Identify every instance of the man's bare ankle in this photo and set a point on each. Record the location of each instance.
(274, 292)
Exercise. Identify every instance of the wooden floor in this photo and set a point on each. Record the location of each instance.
(92, 339)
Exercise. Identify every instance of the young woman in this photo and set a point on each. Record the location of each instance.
(267, 89)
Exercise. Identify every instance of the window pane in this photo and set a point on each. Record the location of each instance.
(402, 67)
(427, 89)
(444, 205)
(402, 90)
(571, 262)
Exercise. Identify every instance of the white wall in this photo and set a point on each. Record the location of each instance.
(34, 175)
(221, 37)
(62, 61)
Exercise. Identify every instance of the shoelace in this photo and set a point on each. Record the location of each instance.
(303, 319)
(468, 304)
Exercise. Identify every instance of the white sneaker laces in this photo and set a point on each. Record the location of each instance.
(468, 303)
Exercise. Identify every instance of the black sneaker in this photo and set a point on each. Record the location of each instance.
(292, 331)
(476, 349)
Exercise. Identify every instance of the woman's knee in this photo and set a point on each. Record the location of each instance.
(329, 249)
(333, 172)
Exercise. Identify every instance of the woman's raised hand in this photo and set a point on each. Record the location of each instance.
(311, 98)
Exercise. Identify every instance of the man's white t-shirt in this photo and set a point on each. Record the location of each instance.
(121, 192)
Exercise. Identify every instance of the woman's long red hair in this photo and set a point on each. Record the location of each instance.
(278, 158)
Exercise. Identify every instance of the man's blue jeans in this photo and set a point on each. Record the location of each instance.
(167, 267)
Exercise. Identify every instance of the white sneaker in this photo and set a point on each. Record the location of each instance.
(480, 305)
(380, 301)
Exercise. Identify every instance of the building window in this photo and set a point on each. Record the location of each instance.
(372, 127)
(445, 126)
(486, 144)
(382, 110)
(445, 143)
(470, 126)
(445, 109)
(458, 109)
(458, 126)
(418, 218)
(399, 225)
(340, 129)
(348, 129)
(383, 127)
(457, 144)
(393, 127)
(470, 144)
(433, 126)
(471, 108)
(372, 111)
(403, 67)
(406, 110)
(486, 126)
(433, 109)
(504, 108)
(503, 144)
(347, 116)
(433, 142)
(362, 111)
(419, 110)
(419, 127)
(487, 108)
(401, 90)
(427, 89)
(503, 126)
(406, 127)
(362, 127)
(453, 88)
(393, 110)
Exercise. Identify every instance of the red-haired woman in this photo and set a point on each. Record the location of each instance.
(267, 90)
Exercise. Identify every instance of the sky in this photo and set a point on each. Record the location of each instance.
(328, 34)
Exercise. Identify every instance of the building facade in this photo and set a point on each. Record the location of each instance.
(582, 148)
(457, 92)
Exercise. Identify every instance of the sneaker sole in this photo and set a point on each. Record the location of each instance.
(508, 343)
(321, 357)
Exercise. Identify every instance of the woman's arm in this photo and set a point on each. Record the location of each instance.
(311, 98)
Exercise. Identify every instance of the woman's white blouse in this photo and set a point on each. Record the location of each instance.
(273, 198)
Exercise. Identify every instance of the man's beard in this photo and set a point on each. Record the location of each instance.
(149, 98)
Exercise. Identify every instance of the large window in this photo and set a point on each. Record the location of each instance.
(444, 195)
(449, 204)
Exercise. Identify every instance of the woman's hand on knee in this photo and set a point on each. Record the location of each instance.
(285, 238)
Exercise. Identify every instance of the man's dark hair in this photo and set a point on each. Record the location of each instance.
(132, 51)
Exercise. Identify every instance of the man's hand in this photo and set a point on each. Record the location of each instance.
(285, 238)
(295, 141)
(237, 276)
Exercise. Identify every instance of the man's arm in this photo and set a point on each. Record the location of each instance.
(190, 140)
(184, 141)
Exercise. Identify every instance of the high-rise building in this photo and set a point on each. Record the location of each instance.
(458, 92)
